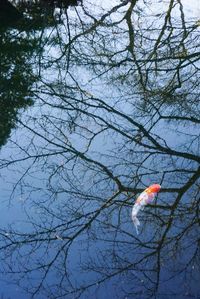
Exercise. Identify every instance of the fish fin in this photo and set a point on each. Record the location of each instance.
(136, 223)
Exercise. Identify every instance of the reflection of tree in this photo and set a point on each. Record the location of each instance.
(16, 78)
(43, 13)
(8, 13)
(17, 71)
(27, 5)
(99, 150)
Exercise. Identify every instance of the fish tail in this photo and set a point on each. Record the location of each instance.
(136, 223)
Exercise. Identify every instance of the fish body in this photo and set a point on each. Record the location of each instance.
(145, 198)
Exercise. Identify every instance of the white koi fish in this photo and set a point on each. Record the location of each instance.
(146, 197)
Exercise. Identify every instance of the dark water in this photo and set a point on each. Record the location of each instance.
(97, 103)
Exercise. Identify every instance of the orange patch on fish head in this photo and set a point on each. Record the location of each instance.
(153, 188)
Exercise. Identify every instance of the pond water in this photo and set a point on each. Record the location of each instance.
(99, 101)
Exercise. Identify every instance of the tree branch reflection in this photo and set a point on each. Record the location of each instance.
(116, 108)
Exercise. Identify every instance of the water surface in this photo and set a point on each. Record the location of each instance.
(97, 103)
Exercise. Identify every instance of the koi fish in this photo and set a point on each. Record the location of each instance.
(145, 198)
